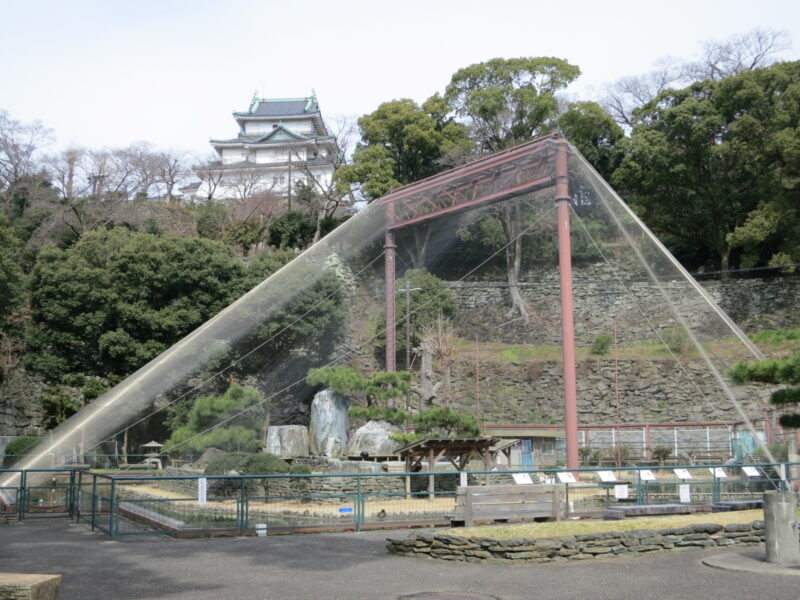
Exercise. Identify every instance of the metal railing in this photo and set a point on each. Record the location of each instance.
(197, 505)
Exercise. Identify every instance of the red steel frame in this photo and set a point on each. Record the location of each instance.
(455, 192)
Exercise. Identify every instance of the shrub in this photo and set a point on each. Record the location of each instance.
(601, 344)
(780, 452)
(225, 463)
(661, 453)
(676, 339)
(18, 448)
(264, 464)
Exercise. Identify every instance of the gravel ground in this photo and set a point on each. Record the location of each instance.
(344, 567)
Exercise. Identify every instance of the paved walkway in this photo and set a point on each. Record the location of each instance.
(346, 567)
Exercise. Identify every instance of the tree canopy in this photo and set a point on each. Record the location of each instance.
(401, 142)
(230, 422)
(117, 299)
(714, 165)
(379, 389)
(11, 277)
(595, 134)
(509, 101)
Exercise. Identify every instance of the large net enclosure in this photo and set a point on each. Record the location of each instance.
(518, 288)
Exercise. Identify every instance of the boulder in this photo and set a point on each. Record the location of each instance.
(287, 441)
(328, 429)
(373, 439)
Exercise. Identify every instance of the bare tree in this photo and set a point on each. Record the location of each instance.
(110, 179)
(142, 166)
(67, 171)
(327, 198)
(718, 59)
(246, 181)
(171, 170)
(208, 169)
(19, 145)
(739, 53)
(629, 93)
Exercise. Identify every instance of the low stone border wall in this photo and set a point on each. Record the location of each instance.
(576, 547)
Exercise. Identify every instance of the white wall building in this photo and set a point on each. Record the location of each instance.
(281, 141)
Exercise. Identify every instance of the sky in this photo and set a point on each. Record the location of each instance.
(112, 72)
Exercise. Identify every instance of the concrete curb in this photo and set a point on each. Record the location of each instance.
(732, 561)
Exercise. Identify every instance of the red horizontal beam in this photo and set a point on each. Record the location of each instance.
(478, 165)
(505, 194)
(687, 425)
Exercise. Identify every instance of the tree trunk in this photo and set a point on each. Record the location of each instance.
(427, 388)
(725, 257)
(417, 249)
(509, 218)
(320, 216)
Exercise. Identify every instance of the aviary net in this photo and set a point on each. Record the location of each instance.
(459, 279)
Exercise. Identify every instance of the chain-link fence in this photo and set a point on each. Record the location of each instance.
(196, 505)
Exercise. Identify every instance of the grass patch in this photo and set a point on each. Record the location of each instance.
(563, 528)
(498, 352)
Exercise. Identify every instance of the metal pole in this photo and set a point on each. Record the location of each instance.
(242, 500)
(94, 500)
(431, 484)
(408, 326)
(359, 507)
(389, 267)
(618, 444)
(563, 201)
(112, 522)
(478, 379)
(21, 499)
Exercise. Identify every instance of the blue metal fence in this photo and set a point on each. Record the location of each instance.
(192, 505)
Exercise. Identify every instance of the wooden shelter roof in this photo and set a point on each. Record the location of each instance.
(451, 446)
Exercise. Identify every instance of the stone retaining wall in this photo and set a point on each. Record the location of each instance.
(21, 410)
(576, 547)
(330, 488)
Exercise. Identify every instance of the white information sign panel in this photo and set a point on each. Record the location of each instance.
(606, 476)
(202, 490)
(682, 474)
(522, 478)
(685, 491)
(718, 472)
(566, 477)
(751, 472)
(621, 492)
(647, 475)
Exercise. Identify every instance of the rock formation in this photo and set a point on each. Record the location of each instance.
(287, 441)
(373, 439)
(328, 429)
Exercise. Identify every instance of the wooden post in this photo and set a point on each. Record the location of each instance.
(556, 502)
(408, 477)
(468, 520)
(431, 461)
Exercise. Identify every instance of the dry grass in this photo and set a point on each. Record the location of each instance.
(562, 528)
(418, 504)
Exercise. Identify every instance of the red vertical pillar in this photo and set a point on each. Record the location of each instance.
(389, 261)
(767, 427)
(563, 200)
